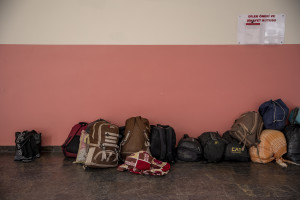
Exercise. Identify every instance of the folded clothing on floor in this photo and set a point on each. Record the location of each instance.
(143, 163)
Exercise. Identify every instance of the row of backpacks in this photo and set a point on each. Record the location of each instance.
(261, 137)
(102, 144)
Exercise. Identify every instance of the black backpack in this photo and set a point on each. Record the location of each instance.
(162, 143)
(292, 135)
(28, 145)
(234, 150)
(213, 146)
(189, 149)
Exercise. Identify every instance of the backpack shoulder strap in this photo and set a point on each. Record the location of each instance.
(130, 123)
(296, 111)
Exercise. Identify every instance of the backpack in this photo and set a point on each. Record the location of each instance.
(28, 145)
(103, 147)
(274, 114)
(234, 150)
(90, 125)
(292, 135)
(162, 143)
(136, 136)
(189, 149)
(272, 147)
(213, 146)
(247, 129)
(71, 145)
(295, 116)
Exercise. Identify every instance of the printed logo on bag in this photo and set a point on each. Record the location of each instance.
(216, 142)
(236, 150)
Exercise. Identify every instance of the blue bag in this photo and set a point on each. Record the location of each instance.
(295, 116)
(274, 114)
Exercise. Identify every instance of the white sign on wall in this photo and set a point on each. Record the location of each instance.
(261, 29)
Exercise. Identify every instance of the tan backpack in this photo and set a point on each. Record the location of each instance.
(136, 136)
(103, 147)
(247, 129)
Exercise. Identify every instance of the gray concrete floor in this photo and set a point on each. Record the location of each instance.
(52, 177)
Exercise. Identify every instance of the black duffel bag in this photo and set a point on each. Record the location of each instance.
(292, 135)
(234, 150)
(213, 146)
(189, 149)
(28, 145)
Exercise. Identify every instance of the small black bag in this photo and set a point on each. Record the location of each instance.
(162, 143)
(234, 150)
(213, 146)
(189, 149)
(292, 135)
(28, 145)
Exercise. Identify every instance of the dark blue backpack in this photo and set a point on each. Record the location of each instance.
(274, 114)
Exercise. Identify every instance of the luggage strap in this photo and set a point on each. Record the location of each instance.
(103, 145)
(245, 131)
(130, 124)
(296, 111)
(286, 161)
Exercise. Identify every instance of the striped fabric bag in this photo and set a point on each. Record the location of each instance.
(272, 147)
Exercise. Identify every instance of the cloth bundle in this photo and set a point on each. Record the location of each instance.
(143, 163)
(272, 147)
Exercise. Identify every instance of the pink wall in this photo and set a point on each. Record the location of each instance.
(192, 88)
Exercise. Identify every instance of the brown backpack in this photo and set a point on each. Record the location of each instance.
(136, 136)
(103, 147)
(247, 129)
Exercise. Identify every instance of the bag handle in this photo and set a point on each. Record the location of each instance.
(186, 136)
(213, 137)
(163, 126)
(275, 120)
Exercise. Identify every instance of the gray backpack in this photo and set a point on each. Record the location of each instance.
(247, 129)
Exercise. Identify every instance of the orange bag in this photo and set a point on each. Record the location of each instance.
(272, 147)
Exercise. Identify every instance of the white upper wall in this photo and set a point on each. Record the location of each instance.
(136, 21)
